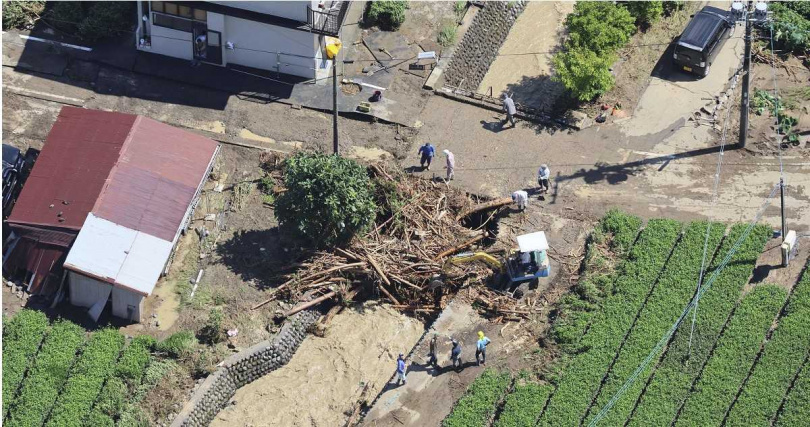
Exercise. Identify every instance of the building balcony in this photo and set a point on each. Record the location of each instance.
(327, 20)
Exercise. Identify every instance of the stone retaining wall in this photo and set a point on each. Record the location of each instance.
(243, 368)
(480, 45)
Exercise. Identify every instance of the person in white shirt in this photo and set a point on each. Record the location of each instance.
(451, 164)
(520, 197)
(543, 175)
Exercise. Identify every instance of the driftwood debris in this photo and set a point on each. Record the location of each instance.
(497, 203)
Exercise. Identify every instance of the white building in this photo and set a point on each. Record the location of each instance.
(281, 36)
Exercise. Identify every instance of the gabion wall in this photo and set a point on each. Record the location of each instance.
(480, 45)
(243, 368)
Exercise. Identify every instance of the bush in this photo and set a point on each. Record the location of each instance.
(212, 332)
(645, 12)
(21, 14)
(791, 31)
(328, 199)
(601, 27)
(584, 73)
(66, 15)
(107, 19)
(671, 7)
(177, 344)
(448, 34)
(387, 14)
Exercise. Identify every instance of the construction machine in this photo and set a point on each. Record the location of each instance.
(529, 262)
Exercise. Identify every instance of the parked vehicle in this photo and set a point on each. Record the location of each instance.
(13, 165)
(702, 39)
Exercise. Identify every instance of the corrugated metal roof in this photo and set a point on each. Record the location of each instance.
(118, 255)
(156, 178)
(79, 152)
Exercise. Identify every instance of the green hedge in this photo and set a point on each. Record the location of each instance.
(673, 377)
(22, 336)
(47, 375)
(523, 405)
(796, 410)
(778, 364)
(635, 278)
(87, 377)
(478, 404)
(664, 305)
(731, 360)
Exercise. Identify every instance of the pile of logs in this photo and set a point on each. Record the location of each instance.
(401, 256)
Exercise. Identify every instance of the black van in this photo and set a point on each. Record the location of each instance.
(702, 40)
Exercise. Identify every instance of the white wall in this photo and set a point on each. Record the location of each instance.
(296, 10)
(256, 44)
(86, 291)
(122, 299)
(166, 41)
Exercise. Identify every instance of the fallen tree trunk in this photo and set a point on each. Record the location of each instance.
(307, 305)
(460, 246)
(484, 206)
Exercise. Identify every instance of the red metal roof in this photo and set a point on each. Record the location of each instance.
(127, 169)
(79, 153)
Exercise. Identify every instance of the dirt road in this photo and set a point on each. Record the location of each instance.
(327, 375)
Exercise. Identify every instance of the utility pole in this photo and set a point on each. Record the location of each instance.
(746, 78)
(335, 105)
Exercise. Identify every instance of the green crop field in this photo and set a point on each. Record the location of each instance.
(745, 362)
(56, 374)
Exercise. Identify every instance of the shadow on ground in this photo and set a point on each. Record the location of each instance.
(256, 256)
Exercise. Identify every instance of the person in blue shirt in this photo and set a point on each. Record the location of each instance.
(455, 355)
(401, 369)
(481, 348)
(427, 152)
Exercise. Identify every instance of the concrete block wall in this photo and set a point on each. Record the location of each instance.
(480, 45)
(243, 368)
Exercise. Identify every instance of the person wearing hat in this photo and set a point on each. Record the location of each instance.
(427, 152)
(451, 164)
(520, 197)
(509, 108)
(543, 175)
(401, 369)
(455, 354)
(481, 348)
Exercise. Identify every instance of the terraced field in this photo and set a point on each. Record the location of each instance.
(746, 362)
(56, 374)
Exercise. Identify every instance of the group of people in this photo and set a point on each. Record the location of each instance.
(455, 355)
(427, 152)
(521, 197)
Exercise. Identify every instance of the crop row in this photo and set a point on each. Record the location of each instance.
(778, 364)
(732, 358)
(664, 305)
(478, 404)
(92, 368)
(523, 405)
(673, 378)
(47, 375)
(796, 410)
(577, 308)
(123, 384)
(22, 336)
(636, 276)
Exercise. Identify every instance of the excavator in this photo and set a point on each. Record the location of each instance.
(529, 262)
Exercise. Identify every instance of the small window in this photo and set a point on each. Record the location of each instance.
(157, 6)
(184, 11)
(170, 8)
(213, 38)
(200, 15)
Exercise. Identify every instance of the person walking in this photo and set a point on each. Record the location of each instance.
(481, 348)
(432, 359)
(543, 175)
(455, 355)
(451, 164)
(426, 152)
(401, 369)
(509, 108)
(520, 197)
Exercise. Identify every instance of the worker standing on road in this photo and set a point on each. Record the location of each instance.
(455, 354)
(401, 369)
(481, 348)
(543, 175)
(432, 359)
(509, 108)
(426, 152)
(451, 164)
(520, 197)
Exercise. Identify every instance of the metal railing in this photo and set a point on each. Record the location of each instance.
(327, 21)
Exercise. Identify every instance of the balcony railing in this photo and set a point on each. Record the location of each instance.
(327, 21)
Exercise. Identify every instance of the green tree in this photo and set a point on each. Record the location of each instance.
(328, 199)
(584, 73)
(601, 27)
(645, 12)
(387, 14)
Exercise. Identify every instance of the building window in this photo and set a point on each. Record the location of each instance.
(176, 16)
